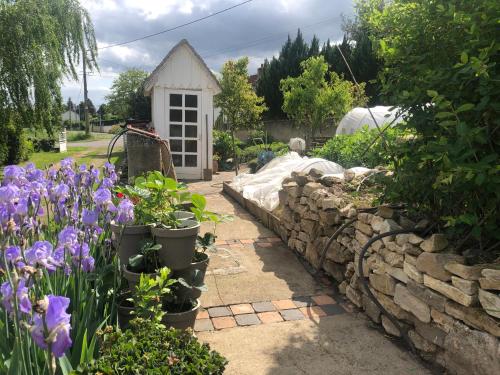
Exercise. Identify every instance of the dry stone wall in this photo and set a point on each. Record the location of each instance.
(451, 310)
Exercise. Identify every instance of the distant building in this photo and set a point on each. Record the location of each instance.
(71, 116)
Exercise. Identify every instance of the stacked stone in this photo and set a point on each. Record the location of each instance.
(450, 310)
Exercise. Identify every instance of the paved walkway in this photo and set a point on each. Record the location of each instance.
(268, 315)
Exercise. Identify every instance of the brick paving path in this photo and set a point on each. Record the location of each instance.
(220, 317)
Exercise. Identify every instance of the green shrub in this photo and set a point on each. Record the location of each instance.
(350, 150)
(223, 144)
(78, 136)
(115, 129)
(252, 152)
(148, 349)
(445, 52)
(14, 145)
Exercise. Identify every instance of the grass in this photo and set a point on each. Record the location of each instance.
(82, 155)
(78, 136)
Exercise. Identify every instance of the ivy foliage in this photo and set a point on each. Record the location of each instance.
(41, 41)
(441, 66)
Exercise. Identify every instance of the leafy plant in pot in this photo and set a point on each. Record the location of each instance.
(146, 300)
(146, 262)
(194, 275)
(180, 309)
(128, 234)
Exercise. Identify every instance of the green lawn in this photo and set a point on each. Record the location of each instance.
(80, 136)
(82, 155)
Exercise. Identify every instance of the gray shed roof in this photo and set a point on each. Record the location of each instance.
(153, 76)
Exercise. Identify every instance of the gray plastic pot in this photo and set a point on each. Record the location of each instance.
(125, 309)
(133, 278)
(128, 242)
(187, 275)
(177, 245)
(181, 320)
(183, 215)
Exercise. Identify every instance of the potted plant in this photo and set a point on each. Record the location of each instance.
(215, 163)
(127, 236)
(181, 310)
(146, 300)
(146, 262)
(195, 273)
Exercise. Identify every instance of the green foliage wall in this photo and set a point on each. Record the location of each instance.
(441, 65)
(352, 150)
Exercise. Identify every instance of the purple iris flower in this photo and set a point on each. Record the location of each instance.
(90, 217)
(67, 237)
(9, 193)
(41, 254)
(102, 197)
(61, 192)
(58, 325)
(22, 296)
(13, 253)
(107, 183)
(125, 211)
(13, 173)
(88, 264)
(67, 163)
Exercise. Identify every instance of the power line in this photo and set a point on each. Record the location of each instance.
(270, 37)
(178, 26)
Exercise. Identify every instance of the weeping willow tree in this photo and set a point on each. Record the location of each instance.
(41, 42)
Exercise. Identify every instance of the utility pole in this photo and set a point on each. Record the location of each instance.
(85, 93)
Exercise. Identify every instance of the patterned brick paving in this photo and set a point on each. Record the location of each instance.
(268, 312)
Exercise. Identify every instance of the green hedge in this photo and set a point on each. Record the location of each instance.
(252, 152)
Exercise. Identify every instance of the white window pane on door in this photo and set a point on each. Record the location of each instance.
(176, 145)
(175, 130)
(190, 116)
(176, 100)
(177, 159)
(191, 101)
(190, 160)
(190, 131)
(176, 115)
(190, 146)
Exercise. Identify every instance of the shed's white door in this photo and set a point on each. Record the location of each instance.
(183, 112)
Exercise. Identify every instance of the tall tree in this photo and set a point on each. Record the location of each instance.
(41, 41)
(70, 106)
(125, 91)
(240, 106)
(311, 100)
(287, 64)
(90, 106)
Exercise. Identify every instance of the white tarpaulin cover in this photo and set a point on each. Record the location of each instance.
(358, 117)
(263, 186)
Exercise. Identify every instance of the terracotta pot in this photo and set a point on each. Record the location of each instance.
(133, 278)
(178, 244)
(187, 275)
(182, 320)
(128, 242)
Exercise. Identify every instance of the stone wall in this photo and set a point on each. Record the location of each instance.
(451, 310)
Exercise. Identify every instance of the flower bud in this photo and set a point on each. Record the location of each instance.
(41, 305)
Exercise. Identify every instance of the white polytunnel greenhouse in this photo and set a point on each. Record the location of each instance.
(358, 117)
(263, 186)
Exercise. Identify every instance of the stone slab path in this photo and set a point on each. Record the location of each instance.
(267, 315)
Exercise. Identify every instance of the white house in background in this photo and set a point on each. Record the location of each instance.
(182, 89)
(71, 116)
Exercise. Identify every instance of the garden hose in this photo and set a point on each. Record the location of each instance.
(364, 282)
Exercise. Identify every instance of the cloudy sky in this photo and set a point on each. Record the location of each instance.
(256, 29)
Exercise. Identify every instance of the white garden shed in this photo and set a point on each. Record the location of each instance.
(182, 89)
